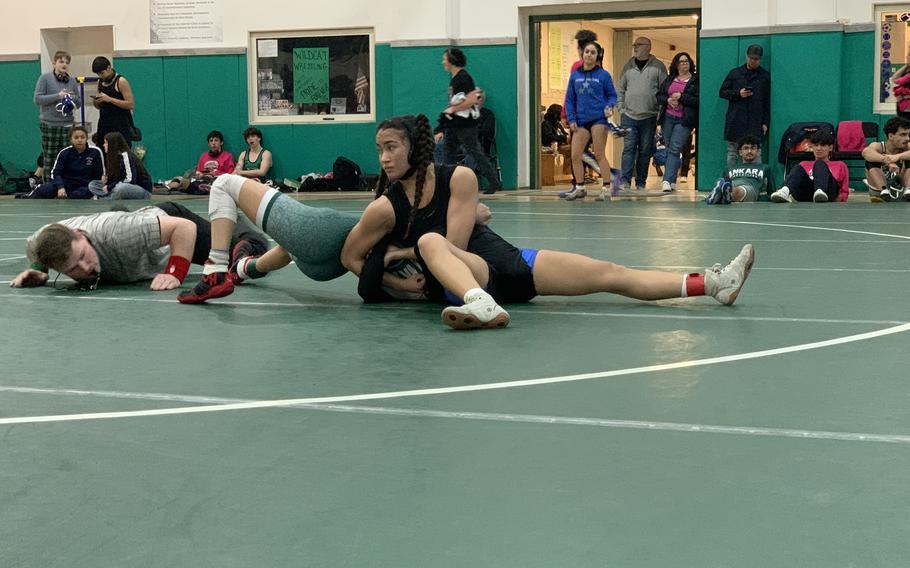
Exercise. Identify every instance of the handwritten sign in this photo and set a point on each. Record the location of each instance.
(311, 75)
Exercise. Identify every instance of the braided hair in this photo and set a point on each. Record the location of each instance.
(417, 131)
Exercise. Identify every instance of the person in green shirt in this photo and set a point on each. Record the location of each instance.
(748, 180)
(254, 162)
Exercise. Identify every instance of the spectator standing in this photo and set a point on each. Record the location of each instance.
(56, 94)
(590, 99)
(115, 103)
(460, 119)
(639, 81)
(582, 38)
(748, 88)
(678, 97)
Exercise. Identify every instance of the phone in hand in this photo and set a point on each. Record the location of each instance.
(747, 88)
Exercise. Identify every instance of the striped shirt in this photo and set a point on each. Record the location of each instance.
(128, 243)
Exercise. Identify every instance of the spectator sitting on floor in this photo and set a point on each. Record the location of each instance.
(213, 163)
(254, 162)
(820, 180)
(216, 160)
(74, 168)
(746, 181)
(887, 174)
(126, 176)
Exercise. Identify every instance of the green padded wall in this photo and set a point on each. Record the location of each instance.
(20, 142)
(836, 86)
(179, 99)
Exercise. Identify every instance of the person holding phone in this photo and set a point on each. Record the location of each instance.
(748, 88)
(115, 103)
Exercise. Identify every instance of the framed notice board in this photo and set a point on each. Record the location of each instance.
(311, 76)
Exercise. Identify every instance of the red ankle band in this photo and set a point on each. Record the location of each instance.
(695, 284)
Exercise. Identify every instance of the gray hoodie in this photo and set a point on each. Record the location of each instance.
(47, 91)
(637, 90)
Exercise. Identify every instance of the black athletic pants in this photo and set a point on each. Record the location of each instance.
(802, 187)
(204, 232)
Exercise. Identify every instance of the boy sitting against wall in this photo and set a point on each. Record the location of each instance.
(749, 180)
(887, 174)
(820, 180)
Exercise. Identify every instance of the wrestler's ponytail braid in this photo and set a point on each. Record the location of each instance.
(422, 145)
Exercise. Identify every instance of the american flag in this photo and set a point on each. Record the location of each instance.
(360, 87)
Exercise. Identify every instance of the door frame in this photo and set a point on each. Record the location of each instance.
(533, 31)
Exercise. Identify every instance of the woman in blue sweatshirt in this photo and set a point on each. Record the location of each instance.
(590, 98)
(127, 177)
(75, 167)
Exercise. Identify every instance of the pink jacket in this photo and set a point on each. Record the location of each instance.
(839, 171)
(902, 91)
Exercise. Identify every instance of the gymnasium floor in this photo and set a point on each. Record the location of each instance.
(290, 425)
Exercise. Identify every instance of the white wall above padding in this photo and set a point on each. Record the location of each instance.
(392, 20)
(396, 20)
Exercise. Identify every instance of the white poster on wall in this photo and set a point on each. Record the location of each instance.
(267, 48)
(185, 21)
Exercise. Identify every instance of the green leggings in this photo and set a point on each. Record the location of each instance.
(313, 236)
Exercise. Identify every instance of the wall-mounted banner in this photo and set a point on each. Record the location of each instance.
(185, 21)
(311, 75)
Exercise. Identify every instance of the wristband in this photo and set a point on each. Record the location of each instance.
(178, 267)
(39, 267)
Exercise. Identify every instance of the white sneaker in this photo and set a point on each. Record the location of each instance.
(666, 187)
(725, 283)
(782, 195)
(905, 194)
(480, 311)
(602, 196)
(820, 196)
(578, 192)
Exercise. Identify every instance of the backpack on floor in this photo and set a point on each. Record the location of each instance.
(13, 179)
(347, 175)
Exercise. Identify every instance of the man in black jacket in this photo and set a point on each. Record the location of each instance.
(748, 88)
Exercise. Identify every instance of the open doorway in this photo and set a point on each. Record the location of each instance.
(555, 52)
(83, 44)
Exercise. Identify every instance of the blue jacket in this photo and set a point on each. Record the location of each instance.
(587, 94)
(72, 169)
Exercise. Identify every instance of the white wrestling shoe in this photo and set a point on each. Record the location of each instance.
(782, 195)
(724, 284)
(820, 196)
(479, 311)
